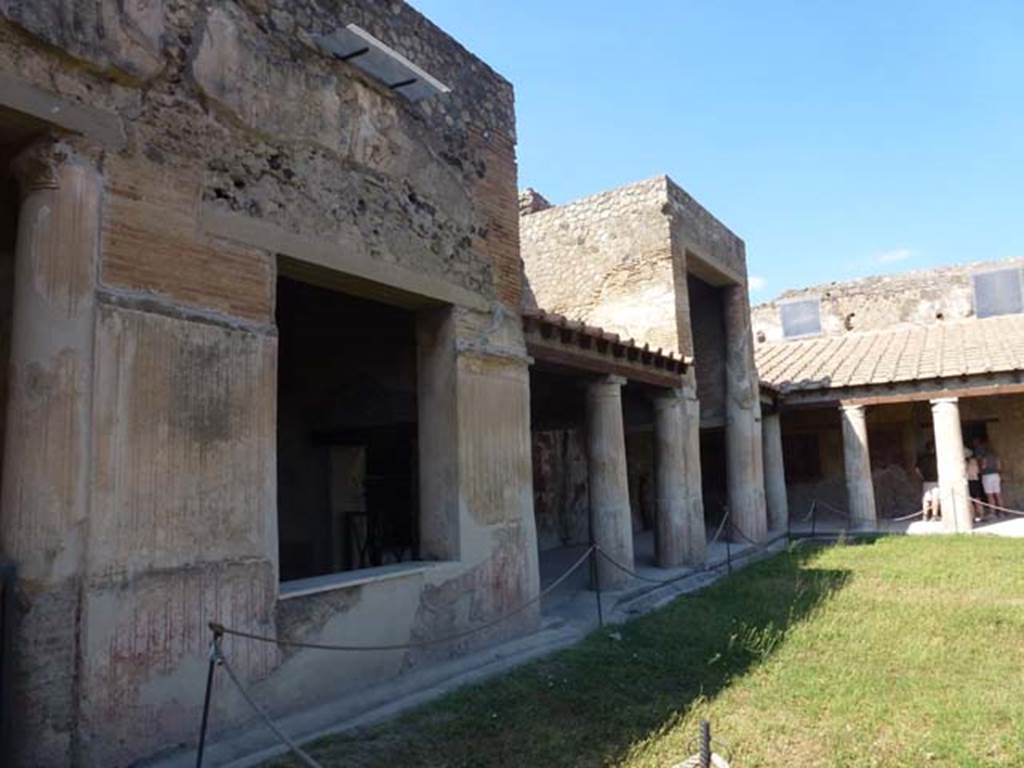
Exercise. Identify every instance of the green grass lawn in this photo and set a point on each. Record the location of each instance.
(901, 652)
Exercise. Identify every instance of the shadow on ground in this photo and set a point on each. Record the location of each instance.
(587, 705)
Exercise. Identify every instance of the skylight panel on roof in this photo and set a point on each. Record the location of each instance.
(998, 292)
(355, 45)
(800, 318)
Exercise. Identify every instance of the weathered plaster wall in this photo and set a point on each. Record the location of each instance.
(920, 297)
(230, 109)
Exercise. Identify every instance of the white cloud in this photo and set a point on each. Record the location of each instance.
(755, 283)
(893, 256)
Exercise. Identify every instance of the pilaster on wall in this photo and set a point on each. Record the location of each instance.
(45, 500)
(476, 500)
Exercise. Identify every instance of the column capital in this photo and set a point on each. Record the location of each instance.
(666, 398)
(609, 382)
(944, 400)
(852, 407)
(38, 165)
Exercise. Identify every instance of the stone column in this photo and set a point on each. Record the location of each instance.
(857, 460)
(744, 460)
(696, 539)
(774, 473)
(673, 531)
(45, 496)
(610, 521)
(949, 451)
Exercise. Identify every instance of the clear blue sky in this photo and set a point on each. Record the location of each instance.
(839, 139)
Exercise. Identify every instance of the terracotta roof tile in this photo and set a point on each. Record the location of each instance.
(904, 353)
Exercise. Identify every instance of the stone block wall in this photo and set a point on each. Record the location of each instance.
(606, 260)
(195, 112)
(620, 259)
(876, 303)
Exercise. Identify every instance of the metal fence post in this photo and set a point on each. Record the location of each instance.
(214, 660)
(705, 744)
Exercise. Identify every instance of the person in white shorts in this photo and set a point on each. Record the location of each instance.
(991, 482)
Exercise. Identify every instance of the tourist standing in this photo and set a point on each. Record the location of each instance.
(974, 488)
(991, 482)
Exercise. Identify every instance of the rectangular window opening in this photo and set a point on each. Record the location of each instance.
(348, 488)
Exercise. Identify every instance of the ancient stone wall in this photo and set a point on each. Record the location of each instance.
(707, 239)
(224, 135)
(620, 260)
(606, 260)
(877, 303)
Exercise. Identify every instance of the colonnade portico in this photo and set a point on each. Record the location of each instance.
(603, 365)
(949, 451)
(679, 526)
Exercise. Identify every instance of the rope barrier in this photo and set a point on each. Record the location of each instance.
(295, 748)
(996, 507)
(696, 572)
(408, 646)
(663, 582)
(911, 516)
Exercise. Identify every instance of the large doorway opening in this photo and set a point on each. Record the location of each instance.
(348, 478)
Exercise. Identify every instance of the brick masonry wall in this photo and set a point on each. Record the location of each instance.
(231, 107)
(332, 155)
(921, 298)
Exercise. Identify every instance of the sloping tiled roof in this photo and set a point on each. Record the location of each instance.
(902, 354)
(550, 335)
